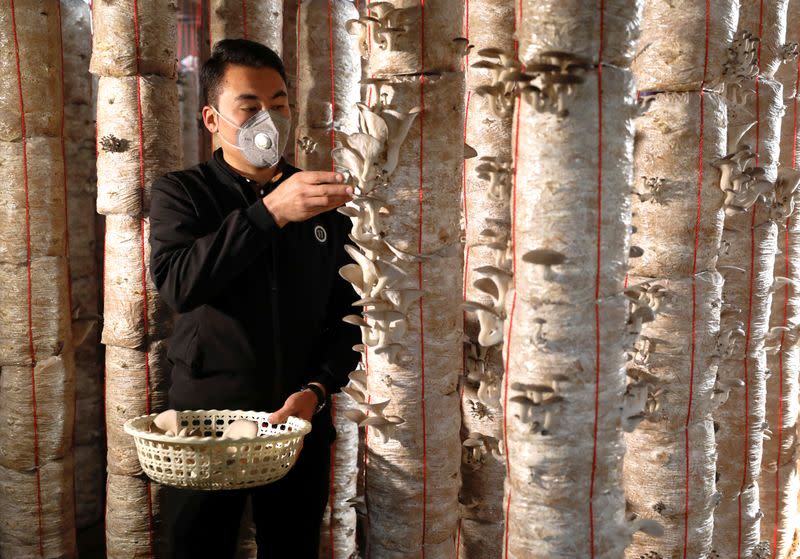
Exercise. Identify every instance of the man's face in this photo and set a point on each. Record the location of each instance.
(244, 92)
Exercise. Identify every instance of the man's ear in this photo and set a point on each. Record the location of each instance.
(210, 119)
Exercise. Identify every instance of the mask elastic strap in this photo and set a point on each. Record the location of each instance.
(219, 133)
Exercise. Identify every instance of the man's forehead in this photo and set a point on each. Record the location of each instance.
(252, 84)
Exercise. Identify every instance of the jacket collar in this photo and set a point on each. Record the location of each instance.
(233, 178)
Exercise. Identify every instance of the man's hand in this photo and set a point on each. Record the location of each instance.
(300, 404)
(306, 194)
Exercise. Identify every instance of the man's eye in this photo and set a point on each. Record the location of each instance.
(250, 109)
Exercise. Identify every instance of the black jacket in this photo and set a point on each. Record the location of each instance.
(260, 307)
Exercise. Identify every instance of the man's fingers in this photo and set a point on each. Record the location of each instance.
(329, 189)
(327, 202)
(321, 177)
(279, 416)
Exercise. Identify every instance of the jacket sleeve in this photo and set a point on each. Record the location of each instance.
(337, 358)
(189, 264)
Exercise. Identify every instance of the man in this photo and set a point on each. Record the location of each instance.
(246, 248)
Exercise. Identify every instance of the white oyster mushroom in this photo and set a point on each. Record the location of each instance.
(240, 429)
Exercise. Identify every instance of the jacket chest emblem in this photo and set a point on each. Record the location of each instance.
(320, 234)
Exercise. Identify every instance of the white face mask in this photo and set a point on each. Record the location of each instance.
(262, 138)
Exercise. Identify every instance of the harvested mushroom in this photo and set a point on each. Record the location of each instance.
(240, 429)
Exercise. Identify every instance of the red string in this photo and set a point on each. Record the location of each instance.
(31, 348)
(366, 367)
(750, 300)
(511, 326)
(467, 250)
(297, 74)
(597, 272)
(244, 19)
(700, 158)
(66, 211)
(140, 118)
(333, 82)
(786, 295)
(419, 248)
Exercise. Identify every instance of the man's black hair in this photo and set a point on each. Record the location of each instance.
(235, 51)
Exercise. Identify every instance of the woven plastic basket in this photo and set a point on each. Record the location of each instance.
(209, 462)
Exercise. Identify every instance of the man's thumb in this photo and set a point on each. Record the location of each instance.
(279, 416)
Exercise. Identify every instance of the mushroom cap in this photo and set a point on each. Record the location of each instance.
(355, 319)
(348, 211)
(166, 421)
(519, 76)
(364, 301)
(359, 376)
(380, 7)
(486, 168)
(352, 273)
(494, 271)
(580, 65)
(566, 79)
(491, 52)
(521, 387)
(376, 407)
(487, 286)
(645, 314)
(486, 65)
(355, 416)
(374, 421)
(636, 252)
(241, 429)
(472, 443)
(353, 26)
(544, 257)
(542, 68)
(469, 152)
(520, 399)
(356, 394)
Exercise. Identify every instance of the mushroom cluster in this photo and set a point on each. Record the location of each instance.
(476, 447)
(789, 52)
(743, 184)
(548, 82)
(368, 414)
(369, 158)
(495, 284)
(742, 63)
(785, 193)
(380, 27)
(538, 404)
(645, 299)
(652, 190)
(506, 72)
(497, 171)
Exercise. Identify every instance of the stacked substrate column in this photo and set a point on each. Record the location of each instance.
(138, 135)
(778, 487)
(489, 108)
(747, 257)
(567, 313)
(407, 164)
(678, 219)
(37, 375)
